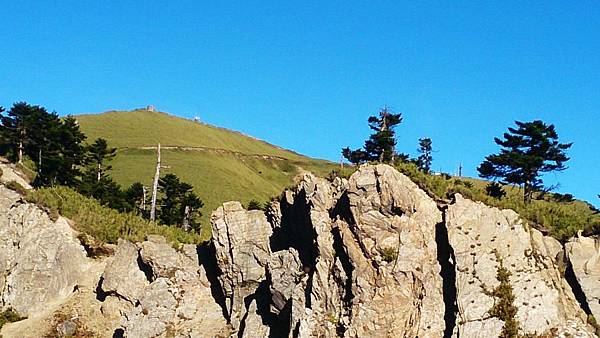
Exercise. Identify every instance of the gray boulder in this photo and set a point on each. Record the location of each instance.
(41, 261)
(584, 256)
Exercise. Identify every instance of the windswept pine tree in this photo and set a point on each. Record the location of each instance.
(527, 151)
(381, 145)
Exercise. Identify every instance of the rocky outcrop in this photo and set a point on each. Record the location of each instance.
(9, 173)
(41, 261)
(284, 273)
(145, 289)
(350, 258)
(483, 238)
(371, 256)
(241, 240)
(169, 291)
(583, 254)
(394, 225)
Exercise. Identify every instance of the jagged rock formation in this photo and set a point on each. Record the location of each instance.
(481, 237)
(371, 256)
(584, 257)
(159, 291)
(41, 261)
(329, 241)
(241, 240)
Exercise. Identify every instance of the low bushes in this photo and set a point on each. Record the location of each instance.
(9, 316)
(102, 223)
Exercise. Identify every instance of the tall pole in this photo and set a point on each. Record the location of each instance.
(155, 186)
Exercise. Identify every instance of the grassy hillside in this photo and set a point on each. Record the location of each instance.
(142, 128)
(222, 165)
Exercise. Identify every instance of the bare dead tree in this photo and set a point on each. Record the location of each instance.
(186, 218)
(144, 193)
(155, 186)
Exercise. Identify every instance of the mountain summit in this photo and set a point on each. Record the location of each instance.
(221, 164)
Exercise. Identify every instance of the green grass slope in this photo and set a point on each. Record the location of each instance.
(221, 164)
(142, 128)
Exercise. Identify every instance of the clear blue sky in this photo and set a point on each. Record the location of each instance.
(306, 75)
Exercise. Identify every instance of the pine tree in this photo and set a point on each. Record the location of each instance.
(381, 144)
(178, 204)
(424, 160)
(105, 190)
(98, 154)
(72, 151)
(54, 145)
(19, 127)
(528, 150)
(136, 195)
(355, 157)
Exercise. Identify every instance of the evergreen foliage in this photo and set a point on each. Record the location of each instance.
(381, 144)
(504, 307)
(135, 195)
(528, 151)
(97, 154)
(54, 145)
(424, 160)
(254, 205)
(103, 223)
(97, 183)
(494, 189)
(178, 204)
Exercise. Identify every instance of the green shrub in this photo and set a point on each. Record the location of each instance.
(463, 183)
(592, 321)
(16, 186)
(504, 308)
(102, 223)
(9, 316)
(494, 189)
(389, 254)
(344, 172)
(436, 186)
(254, 205)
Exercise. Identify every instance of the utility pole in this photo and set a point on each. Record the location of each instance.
(460, 170)
(155, 186)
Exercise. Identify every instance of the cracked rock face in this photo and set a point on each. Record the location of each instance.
(371, 256)
(328, 275)
(480, 237)
(584, 256)
(241, 240)
(168, 289)
(391, 214)
(41, 261)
